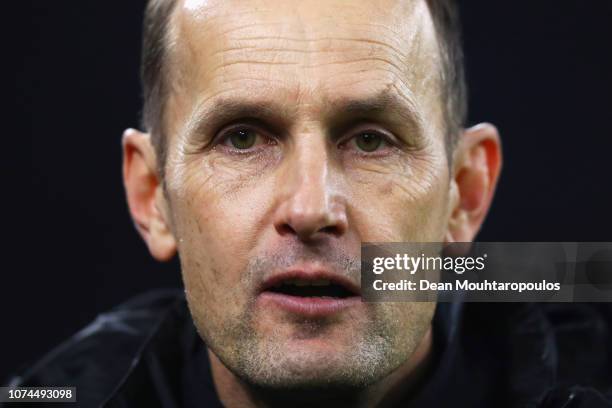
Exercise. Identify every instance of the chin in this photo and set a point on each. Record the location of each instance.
(312, 377)
(314, 364)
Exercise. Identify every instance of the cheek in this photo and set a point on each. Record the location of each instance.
(218, 208)
(402, 206)
(216, 222)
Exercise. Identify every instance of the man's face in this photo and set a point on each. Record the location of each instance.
(297, 131)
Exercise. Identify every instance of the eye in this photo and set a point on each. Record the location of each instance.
(369, 141)
(242, 138)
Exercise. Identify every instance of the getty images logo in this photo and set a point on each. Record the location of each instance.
(412, 264)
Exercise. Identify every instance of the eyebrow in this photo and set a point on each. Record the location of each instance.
(210, 117)
(402, 109)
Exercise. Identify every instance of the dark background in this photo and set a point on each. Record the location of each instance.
(541, 71)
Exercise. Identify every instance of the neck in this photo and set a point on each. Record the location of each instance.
(387, 392)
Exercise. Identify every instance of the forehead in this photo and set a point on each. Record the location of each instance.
(307, 52)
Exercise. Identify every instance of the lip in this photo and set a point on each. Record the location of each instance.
(310, 307)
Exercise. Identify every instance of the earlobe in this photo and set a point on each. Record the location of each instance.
(478, 162)
(145, 196)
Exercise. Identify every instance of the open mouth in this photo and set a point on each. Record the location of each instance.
(310, 294)
(322, 288)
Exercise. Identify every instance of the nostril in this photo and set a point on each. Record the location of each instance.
(285, 229)
(331, 229)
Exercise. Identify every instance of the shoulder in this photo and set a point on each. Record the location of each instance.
(582, 341)
(547, 352)
(99, 356)
(581, 344)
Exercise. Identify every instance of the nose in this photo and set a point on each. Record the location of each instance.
(310, 204)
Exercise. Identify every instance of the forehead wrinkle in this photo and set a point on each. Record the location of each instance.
(301, 27)
(385, 36)
(313, 52)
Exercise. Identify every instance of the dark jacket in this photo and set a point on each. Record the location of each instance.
(146, 353)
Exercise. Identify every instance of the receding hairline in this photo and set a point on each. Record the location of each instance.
(160, 36)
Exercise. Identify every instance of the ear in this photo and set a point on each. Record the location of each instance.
(145, 196)
(477, 164)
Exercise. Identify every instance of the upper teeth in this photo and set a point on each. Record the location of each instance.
(302, 282)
